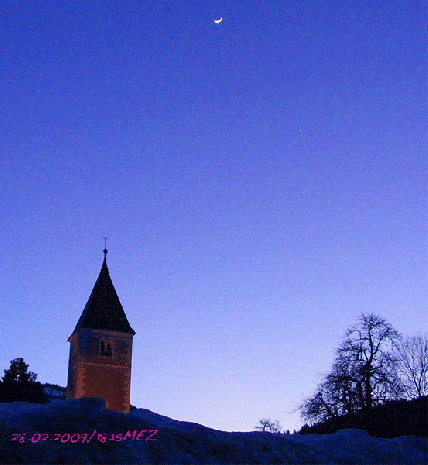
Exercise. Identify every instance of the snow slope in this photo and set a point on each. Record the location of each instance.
(176, 442)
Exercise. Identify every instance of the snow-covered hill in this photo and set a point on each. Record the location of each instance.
(83, 431)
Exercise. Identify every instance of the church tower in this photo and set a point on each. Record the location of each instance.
(101, 348)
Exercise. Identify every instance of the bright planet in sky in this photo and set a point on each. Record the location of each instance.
(218, 21)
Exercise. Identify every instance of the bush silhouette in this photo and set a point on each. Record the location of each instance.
(391, 420)
(20, 386)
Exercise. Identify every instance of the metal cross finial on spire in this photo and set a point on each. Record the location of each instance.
(105, 247)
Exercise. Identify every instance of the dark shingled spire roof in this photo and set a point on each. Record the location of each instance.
(104, 310)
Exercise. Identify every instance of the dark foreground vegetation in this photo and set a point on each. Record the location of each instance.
(22, 392)
(18, 385)
(391, 420)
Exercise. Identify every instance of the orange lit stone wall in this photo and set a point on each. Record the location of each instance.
(93, 375)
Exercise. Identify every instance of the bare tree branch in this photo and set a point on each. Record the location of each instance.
(364, 372)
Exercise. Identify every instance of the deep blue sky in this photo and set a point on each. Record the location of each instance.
(261, 182)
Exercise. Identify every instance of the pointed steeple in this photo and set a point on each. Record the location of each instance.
(103, 310)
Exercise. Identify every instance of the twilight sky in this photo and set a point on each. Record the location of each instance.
(261, 182)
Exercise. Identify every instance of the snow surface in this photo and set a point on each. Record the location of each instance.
(180, 442)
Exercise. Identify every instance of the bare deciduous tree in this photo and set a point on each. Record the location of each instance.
(265, 424)
(413, 365)
(369, 354)
(275, 427)
(363, 375)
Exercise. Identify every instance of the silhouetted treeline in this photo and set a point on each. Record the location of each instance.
(18, 385)
(55, 386)
(390, 420)
(32, 392)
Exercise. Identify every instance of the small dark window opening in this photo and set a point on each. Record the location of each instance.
(105, 349)
(108, 350)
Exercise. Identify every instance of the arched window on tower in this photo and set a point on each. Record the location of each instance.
(108, 350)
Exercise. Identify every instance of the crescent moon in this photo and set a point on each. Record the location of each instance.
(218, 21)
